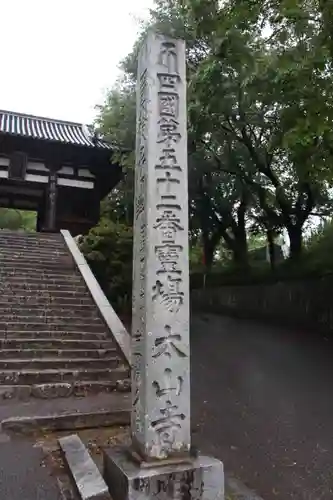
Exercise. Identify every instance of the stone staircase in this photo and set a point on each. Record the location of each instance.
(53, 343)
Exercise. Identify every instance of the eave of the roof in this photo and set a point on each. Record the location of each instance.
(37, 127)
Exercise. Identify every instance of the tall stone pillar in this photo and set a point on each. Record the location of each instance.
(160, 463)
(160, 334)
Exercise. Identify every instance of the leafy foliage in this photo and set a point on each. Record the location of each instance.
(319, 248)
(116, 121)
(108, 249)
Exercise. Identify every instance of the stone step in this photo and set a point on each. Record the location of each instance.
(31, 237)
(45, 299)
(47, 294)
(32, 273)
(66, 334)
(62, 265)
(21, 250)
(49, 342)
(57, 353)
(30, 376)
(56, 291)
(30, 234)
(28, 243)
(73, 317)
(37, 262)
(30, 258)
(32, 253)
(59, 364)
(53, 323)
(42, 286)
(36, 275)
(27, 255)
(27, 309)
(32, 243)
(60, 280)
(26, 250)
(76, 311)
(63, 389)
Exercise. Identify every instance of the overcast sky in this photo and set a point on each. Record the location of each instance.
(59, 56)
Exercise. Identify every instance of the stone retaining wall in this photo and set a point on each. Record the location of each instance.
(306, 303)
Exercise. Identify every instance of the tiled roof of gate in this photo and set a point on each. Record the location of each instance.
(49, 129)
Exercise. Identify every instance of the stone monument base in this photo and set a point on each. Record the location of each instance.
(203, 479)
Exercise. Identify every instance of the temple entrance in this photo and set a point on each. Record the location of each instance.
(61, 170)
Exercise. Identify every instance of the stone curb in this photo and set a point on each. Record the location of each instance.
(69, 421)
(83, 470)
(238, 490)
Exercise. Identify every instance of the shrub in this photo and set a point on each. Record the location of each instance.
(108, 250)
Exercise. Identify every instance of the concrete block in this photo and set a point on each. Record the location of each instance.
(87, 478)
(202, 479)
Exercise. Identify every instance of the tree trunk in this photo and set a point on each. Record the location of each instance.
(209, 249)
(240, 254)
(296, 242)
(210, 242)
(271, 249)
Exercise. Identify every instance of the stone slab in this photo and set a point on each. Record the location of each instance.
(87, 478)
(201, 480)
(54, 422)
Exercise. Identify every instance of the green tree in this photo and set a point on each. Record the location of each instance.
(259, 120)
(116, 121)
(247, 93)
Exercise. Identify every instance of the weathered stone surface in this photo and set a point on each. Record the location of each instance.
(57, 354)
(201, 480)
(123, 385)
(68, 421)
(56, 334)
(50, 391)
(54, 343)
(36, 377)
(43, 300)
(87, 478)
(160, 327)
(61, 363)
(53, 323)
(77, 389)
(21, 392)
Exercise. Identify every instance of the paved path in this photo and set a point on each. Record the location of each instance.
(23, 475)
(263, 403)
